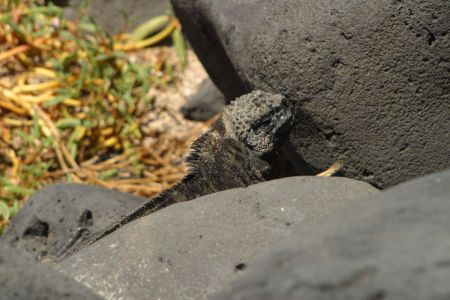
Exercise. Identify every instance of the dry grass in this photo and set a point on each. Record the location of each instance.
(79, 106)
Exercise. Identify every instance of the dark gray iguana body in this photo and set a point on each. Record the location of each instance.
(235, 152)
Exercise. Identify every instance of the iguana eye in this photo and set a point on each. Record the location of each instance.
(264, 125)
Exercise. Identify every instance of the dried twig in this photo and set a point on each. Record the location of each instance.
(333, 169)
(74, 111)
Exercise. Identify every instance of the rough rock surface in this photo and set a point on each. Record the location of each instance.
(371, 82)
(23, 279)
(52, 216)
(396, 246)
(204, 104)
(192, 249)
(116, 15)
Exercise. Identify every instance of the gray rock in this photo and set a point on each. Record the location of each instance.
(193, 249)
(24, 279)
(204, 104)
(54, 214)
(371, 82)
(115, 15)
(396, 246)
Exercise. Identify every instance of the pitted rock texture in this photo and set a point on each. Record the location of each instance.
(371, 83)
(54, 214)
(193, 249)
(23, 279)
(395, 245)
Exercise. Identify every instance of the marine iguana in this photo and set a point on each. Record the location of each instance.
(235, 152)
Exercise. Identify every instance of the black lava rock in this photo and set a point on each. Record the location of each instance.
(193, 249)
(63, 212)
(371, 83)
(395, 246)
(23, 279)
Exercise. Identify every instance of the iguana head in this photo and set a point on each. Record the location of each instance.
(260, 120)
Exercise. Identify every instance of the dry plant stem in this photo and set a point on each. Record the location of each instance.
(37, 96)
(20, 49)
(138, 188)
(331, 170)
(174, 177)
(36, 87)
(107, 163)
(61, 151)
(17, 123)
(90, 161)
(13, 108)
(16, 164)
(134, 181)
(51, 126)
(101, 183)
(31, 110)
(61, 161)
(14, 51)
(60, 173)
(45, 96)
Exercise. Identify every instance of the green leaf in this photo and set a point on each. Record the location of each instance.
(73, 149)
(18, 31)
(77, 134)
(80, 81)
(14, 209)
(68, 59)
(50, 9)
(18, 190)
(69, 178)
(108, 174)
(149, 27)
(66, 35)
(68, 123)
(104, 57)
(4, 211)
(35, 131)
(180, 46)
(87, 25)
(84, 4)
(54, 101)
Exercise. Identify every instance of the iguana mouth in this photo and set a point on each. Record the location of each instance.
(277, 123)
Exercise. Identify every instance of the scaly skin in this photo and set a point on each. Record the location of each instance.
(235, 152)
